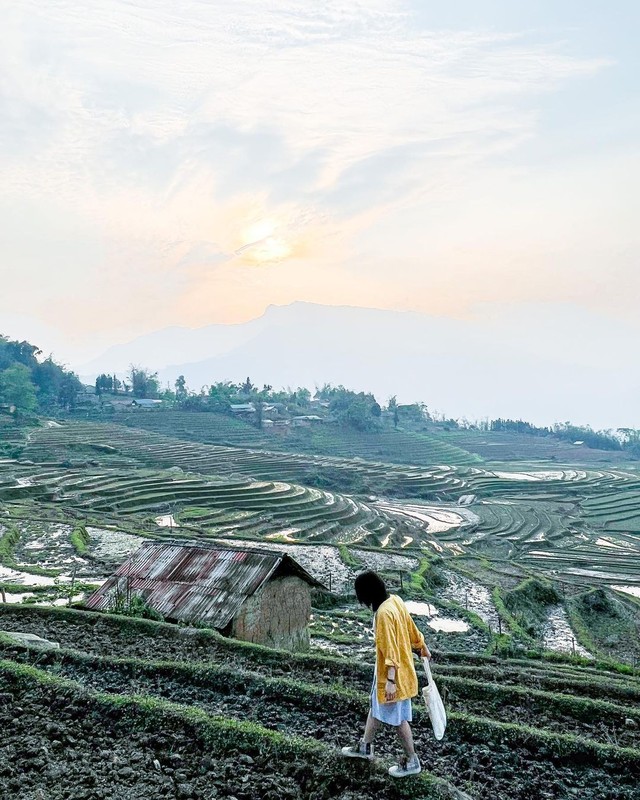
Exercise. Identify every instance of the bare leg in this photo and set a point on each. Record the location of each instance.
(406, 738)
(371, 728)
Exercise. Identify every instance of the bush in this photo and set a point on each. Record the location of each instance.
(528, 604)
(133, 605)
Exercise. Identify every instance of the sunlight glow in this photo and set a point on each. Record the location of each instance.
(261, 246)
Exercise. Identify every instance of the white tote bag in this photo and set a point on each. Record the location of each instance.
(434, 704)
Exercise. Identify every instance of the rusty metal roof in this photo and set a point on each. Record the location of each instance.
(195, 583)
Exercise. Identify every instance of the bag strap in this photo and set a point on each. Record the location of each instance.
(427, 670)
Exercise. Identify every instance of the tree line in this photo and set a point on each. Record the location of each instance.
(358, 410)
(30, 383)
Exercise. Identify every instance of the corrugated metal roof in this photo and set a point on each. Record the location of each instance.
(195, 583)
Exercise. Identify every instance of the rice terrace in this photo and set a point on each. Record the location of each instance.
(523, 574)
(319, 400)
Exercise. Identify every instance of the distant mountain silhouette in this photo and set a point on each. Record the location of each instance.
(541, 365)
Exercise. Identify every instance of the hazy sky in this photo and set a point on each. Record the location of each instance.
(192, 162)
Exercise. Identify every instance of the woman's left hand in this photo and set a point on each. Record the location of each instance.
(390, 692)
(425, 652)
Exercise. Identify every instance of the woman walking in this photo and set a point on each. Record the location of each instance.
(395, 681)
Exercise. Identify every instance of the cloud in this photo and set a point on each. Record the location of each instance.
(166, 132)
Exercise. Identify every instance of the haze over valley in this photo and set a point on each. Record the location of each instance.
(551, 364)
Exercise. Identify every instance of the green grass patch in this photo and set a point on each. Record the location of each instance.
(606, 624)
(8, 543)
(79, 539)
(348, 558)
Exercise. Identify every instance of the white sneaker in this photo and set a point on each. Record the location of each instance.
(406, 767)
(361, 750)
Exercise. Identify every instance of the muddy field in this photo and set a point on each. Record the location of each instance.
(60, 748)
(492, 764)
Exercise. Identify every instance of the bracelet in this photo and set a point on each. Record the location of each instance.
(391, 681)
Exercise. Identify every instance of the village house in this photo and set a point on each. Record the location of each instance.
(258, 596)
(243, 409)
(145, 403)
(306, 420)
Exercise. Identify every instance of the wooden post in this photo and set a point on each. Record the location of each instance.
(329, 581)
(573, 645)
(73, 583)
(500, 625)
(466, 599)
(4, 596)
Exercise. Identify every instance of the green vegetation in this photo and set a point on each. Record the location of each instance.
(528, 605)
(348, 558)
(80, 540)
(28, 385)
(133, 605)
(606, 624)
(8, 541)
(17, 390)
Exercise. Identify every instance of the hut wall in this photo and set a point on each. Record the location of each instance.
(277, 615)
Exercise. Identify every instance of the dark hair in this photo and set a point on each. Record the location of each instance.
(370, 589)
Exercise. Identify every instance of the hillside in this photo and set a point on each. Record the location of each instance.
(524, 578)
(501, 446)
(382, 444)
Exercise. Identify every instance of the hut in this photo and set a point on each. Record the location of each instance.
(255, 595)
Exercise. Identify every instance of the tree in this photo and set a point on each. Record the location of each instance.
(70, 387)
(144, 383)
(392, 406)
(47, 377)
(258, 404)
(17, 389)
(247, 387)
(220, 396)
(353, 409)
(23, 353)
(104, 383)
(181, 388)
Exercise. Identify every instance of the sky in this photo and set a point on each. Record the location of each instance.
(188, 163)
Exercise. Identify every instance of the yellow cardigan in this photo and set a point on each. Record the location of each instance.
(396, 637)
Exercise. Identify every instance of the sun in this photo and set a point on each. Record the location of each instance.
(262, 245)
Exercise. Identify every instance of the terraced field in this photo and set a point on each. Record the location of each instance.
(74, 441)
(501, 446)
(185, 713)
(146, 709)
(386, 444)
(567, 521)
(208, 506)
(114, 486)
